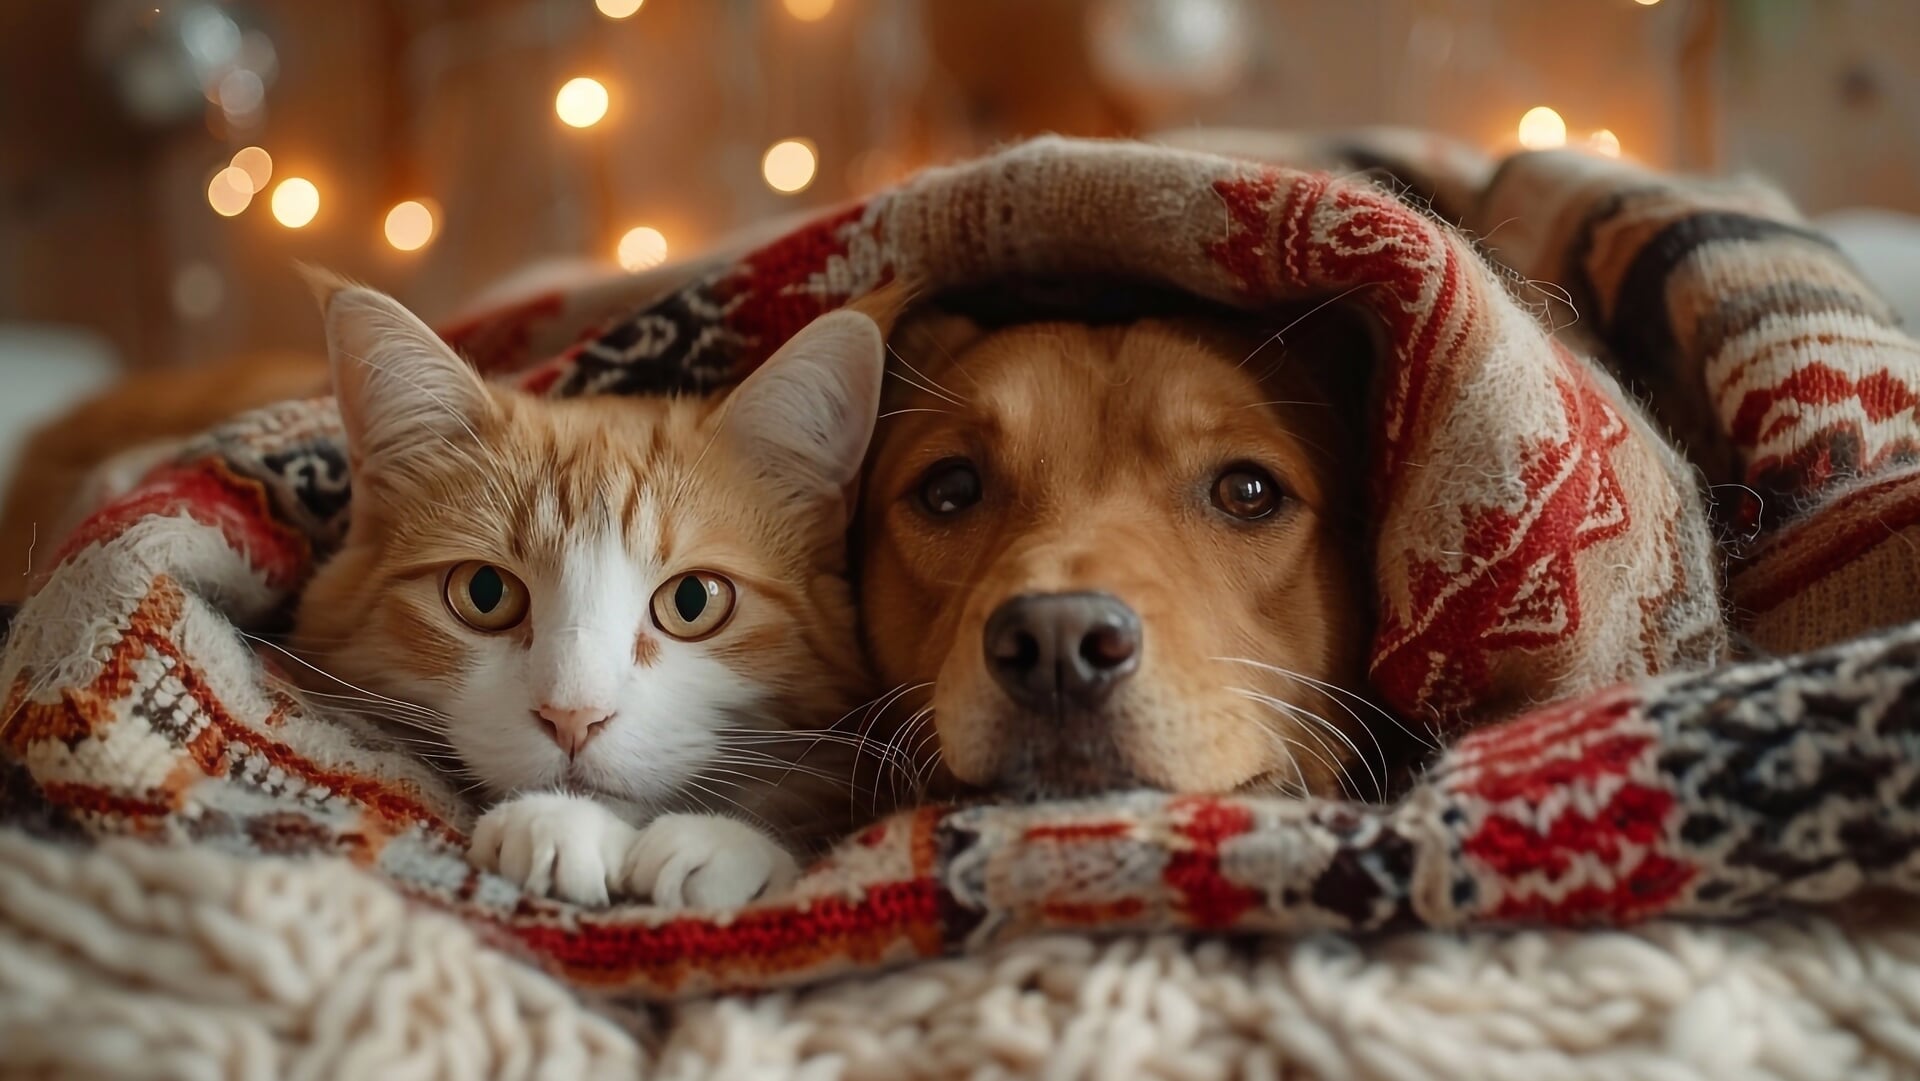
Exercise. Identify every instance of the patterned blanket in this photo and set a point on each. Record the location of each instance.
(1672, 674)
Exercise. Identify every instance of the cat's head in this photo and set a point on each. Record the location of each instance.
(591, 593)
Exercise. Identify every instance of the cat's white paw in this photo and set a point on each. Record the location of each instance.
(554, 845)
(706, 861)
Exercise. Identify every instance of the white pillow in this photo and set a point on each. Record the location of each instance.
(1885, 245)
(44, 370)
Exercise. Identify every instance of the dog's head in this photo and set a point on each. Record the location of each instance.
(1118, 556)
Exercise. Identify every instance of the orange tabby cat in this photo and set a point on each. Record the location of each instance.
(611, 609)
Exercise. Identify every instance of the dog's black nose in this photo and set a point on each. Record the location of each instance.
(1046, 648)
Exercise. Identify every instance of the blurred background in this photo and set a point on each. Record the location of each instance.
(162, 164)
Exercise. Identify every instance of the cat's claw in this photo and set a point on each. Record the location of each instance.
(554, 845)
(706, 861)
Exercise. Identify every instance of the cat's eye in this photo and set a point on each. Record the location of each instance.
(486, 597)
(693, 605)
(1246, 492)
(950, 487)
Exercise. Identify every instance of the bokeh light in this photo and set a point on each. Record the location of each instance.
(618, 9)
(789, 166)
(642, 247)
(1605, 143)
(581, 103)
(409, 225)
(296, 201)
(230, 191)
(1542, 129)
(809, 10)
(257, 164)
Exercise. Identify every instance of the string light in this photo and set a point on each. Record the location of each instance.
(581, 103)
(642, 247)
(808, 11)
(295, 202)
(1542, 129)
(789, 166)
(257, 164)
(1604, 143)
(230, 191)
(409, 225)
(618, 9)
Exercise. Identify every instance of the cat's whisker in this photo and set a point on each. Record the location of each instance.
(923, 775)
(1280, 335)
(769, 763)
(927, 383)
(732, 804)
(302, 662)
(894, 751)
(809, 736)
(874, 711)
(903, 756)
(384, 708)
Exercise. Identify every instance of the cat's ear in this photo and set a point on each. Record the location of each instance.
(400, 389)
(805, 417)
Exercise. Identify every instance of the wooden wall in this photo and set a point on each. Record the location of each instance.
(380, 100)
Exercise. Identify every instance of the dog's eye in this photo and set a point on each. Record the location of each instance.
(1247, 492)
(949, 487)
(486, 597)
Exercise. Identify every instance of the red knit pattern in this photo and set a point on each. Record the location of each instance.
(1206, 897)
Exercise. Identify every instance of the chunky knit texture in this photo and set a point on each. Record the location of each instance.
(1547, 578)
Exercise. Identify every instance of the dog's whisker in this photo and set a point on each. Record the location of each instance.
(1331, 690)
(1379, 784)
(1332, 768)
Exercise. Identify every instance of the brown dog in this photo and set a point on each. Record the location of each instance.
(1120, 556)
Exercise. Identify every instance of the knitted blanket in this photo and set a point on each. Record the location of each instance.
(1555, 597)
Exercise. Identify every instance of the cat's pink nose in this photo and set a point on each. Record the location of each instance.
(572, 728)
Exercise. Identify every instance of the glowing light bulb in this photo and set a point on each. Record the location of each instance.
(618, 9)
(789, 166)
(1646, 3)
(257, 164)
(230, 191)
(581, 103)
(1604, 143)
(642, 247)
(295, 202)
(808, 11)
(1542, 129)
(409, 225)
